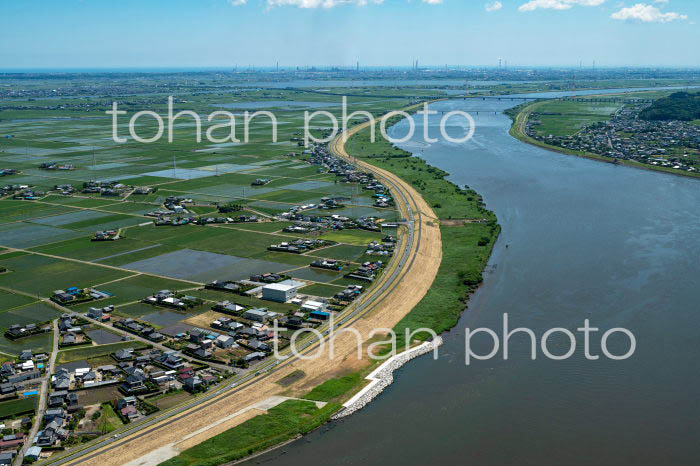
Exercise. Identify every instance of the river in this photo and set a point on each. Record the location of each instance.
(586, 240)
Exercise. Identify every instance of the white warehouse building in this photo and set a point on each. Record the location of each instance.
(279, 292)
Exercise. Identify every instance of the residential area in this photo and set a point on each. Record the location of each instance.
(673, 144)
(151, 295)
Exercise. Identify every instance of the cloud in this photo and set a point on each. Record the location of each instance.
(238, 2)
(493, 6)
(432, 2)
(557, 4)
(646, 14)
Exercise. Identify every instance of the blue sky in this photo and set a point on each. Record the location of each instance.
(222, 33)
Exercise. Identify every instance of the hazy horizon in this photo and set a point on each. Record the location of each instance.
(223, 33)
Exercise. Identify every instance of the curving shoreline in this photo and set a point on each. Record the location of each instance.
(517, 130)
(383, 376)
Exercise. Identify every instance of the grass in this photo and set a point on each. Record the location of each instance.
(84, 249)
(344, 252)
(41, 275)
(10, 300)
(566, 118)
(168, 400)
(352, 237)
(466, 247)
(108, 420)
(322, 290)
(17, 407)
(31, 313)
(459, 275)
(281, 423)
(218, 240)
(335, 389)
(12, 211)
(291, 378)
(88, 352)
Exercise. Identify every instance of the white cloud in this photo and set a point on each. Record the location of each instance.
(432, 2)
(238, 2)
(557, 4)
(493, 6)
(646, 14)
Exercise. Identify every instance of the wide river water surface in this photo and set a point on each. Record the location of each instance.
(581, 240)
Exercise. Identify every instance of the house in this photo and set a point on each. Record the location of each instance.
(224, 341)
(155, 336)
(127, 401)
(192, 383)
(26, 355)
(33, 453)
(57, 398)
(125, 354)
(257, 315)
(258, 345)
(52, 432)
(12, 441)
(46, 438)
(27, 365)
(108, 369)
(249, 332)
(61, 380)
(197, 335)
(320, 315)
(279, 292)
(7, 457)
(95, 313)
(7, 369)
(54, 414)
(133, 383)
(7, 388)
(202, 353)
(310, 306)
(256, 356)
(172, 360)
(24, 376)
(130, 412)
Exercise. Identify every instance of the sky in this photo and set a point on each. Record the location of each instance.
(225, 33)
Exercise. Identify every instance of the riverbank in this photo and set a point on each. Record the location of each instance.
(520, 116)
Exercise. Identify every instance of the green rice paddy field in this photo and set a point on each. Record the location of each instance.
(46, 243)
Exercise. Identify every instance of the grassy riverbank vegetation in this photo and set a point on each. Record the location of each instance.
(281, 423)
(469, 231)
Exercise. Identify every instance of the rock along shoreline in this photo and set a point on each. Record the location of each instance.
(383, 376)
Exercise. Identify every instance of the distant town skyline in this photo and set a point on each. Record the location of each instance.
(260, 33)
